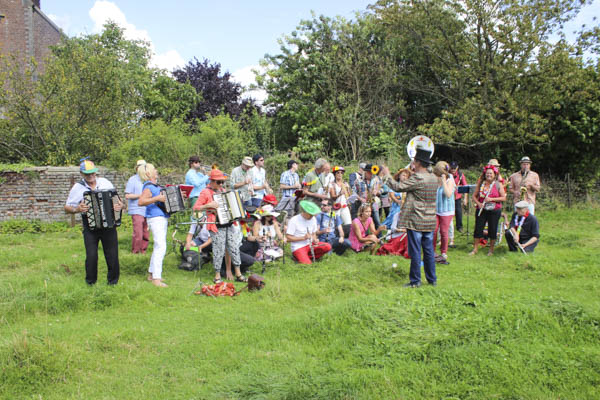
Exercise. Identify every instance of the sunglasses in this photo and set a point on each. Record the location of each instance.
(219, 182)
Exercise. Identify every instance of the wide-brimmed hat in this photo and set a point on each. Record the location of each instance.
(310, 207)
(87, 167)
(247, 161)
(423, 155)
(525, 160)
(522, 204)
(493, 162)
(271, 199)
(265, 211)
(217, 175)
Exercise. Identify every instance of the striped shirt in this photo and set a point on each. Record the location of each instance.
(289, 178)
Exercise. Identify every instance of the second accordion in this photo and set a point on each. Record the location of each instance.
(173, 199)
(101, 213)
(230, 207)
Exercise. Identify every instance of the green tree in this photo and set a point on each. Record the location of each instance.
(332, 87)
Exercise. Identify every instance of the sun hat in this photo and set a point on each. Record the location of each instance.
(87, 167)
(271, 199)
(217, 175)
(525, 160)
(140, 162)
(338, 168)
(362, 165)
(310, 207)
(265, 211)
(493, 162)
(522, 204)
(247, 161)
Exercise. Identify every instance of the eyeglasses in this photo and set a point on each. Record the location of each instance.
(324, 205)
(219, 182)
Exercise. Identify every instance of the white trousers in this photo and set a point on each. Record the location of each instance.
(158, 227)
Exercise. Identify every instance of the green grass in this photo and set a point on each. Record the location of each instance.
(508, 327)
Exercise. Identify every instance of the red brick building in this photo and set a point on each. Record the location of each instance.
(25, 31)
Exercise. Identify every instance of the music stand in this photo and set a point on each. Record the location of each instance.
(466, 190)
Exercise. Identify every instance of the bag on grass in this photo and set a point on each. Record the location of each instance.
(255, 282)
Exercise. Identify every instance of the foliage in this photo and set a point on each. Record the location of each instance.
(168, 99)
(332, 87)
(18, 167)
(167, 146)
(219, 93)
(220, 139)
(508, 326)
(478, 63)
(18, 226)
(84, 101)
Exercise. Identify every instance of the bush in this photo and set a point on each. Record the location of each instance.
(18, 226)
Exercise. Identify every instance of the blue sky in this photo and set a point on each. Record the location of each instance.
(237, 33)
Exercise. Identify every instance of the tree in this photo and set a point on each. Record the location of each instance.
(88, 97)
(219, 93)
(332, 87)
(476, 60)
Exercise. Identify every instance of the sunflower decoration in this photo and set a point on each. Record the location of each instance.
(375, 169)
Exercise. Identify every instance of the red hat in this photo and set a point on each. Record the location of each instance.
(270, 199)
(217, 175)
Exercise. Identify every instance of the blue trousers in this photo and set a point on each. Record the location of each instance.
(417, 241)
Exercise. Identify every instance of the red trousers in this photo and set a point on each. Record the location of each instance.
(304, 256)
(141, 235)
(443, 224)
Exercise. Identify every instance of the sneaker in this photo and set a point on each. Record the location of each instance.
(432, 283)
(412, 285)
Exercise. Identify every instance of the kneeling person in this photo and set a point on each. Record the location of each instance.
(524, 229)
(301, 233)
(328, 222)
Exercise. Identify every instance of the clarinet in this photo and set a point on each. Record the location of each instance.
(312, 247)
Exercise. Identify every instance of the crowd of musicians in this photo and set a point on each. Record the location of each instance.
(325, 212)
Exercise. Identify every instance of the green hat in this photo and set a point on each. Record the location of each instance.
(310, 207)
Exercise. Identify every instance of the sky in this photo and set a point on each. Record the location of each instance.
(237, 34)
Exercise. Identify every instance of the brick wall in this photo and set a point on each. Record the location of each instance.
(41, 192)
(25, 31)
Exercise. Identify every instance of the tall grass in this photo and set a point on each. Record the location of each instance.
(508, 326)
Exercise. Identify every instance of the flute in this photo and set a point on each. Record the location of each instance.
(517, 242)
(312, 247)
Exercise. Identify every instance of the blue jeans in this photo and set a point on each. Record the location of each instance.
(256, 202)
(416, 241)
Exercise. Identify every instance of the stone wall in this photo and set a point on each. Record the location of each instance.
(41, 192)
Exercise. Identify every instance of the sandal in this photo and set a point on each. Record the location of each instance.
(241, 278)
(159, 283)
(472, 253)
(216, 281)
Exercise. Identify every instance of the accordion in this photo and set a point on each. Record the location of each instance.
(101, 213)
(173, 199)
(230, 207)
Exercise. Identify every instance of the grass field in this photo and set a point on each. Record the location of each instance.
(506, 327)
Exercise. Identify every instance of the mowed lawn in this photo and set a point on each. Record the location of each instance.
(503, 327)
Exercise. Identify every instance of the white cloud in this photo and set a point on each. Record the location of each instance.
(103, 11)
(245, 76)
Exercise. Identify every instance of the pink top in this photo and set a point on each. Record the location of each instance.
(493, 193)
(356, 245)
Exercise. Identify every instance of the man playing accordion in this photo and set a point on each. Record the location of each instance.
(108, 236)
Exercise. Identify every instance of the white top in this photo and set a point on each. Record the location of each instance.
(341, 199)
(298, 226)
(327, 180)
(267, 230)
(259, 177)
(77, 191)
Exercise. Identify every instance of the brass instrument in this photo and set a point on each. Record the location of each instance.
(523, 192)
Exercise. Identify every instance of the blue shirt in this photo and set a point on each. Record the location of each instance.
(444, 206)
(323, 222)
(196, 179)
(153, 210)
(134, 186)
(289, 178)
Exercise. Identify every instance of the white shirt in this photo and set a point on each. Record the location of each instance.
(299, 226)
(259, 177)
(77, 191)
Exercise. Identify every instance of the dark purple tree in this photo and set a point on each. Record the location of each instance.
(219, 92)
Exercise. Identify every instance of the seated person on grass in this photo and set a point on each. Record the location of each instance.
(363, 235)
(524, 229)
(301, 233)
(328, 222)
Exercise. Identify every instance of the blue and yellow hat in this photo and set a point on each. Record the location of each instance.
(87, 166)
